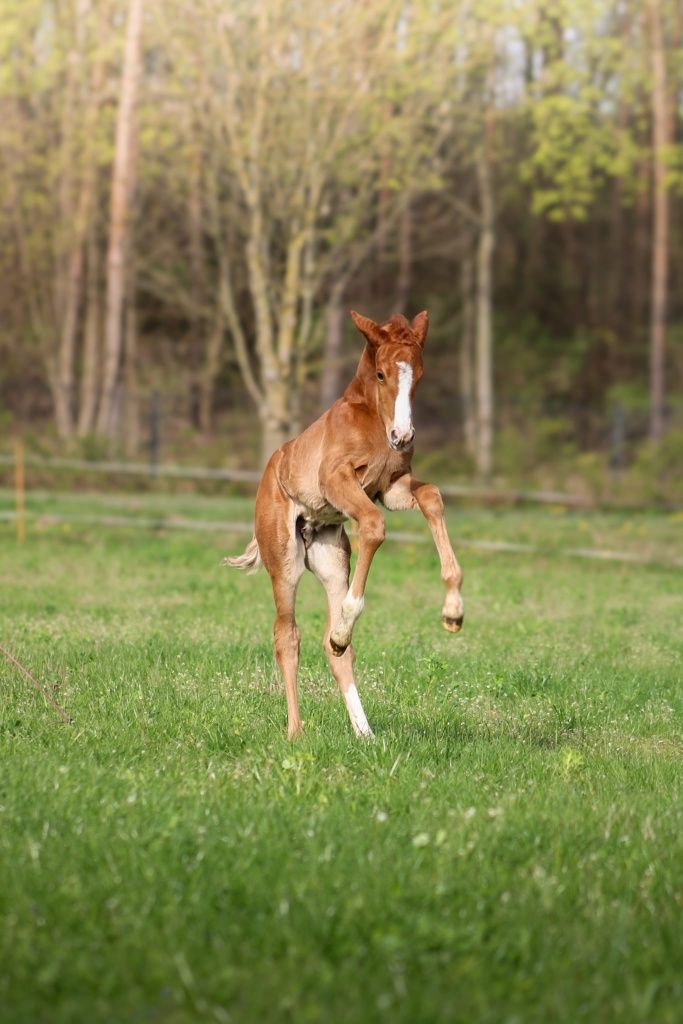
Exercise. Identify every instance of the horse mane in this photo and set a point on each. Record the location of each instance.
(399, 330)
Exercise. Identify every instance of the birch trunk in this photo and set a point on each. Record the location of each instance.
(131, 417)
(91, 339)
(467, 395)
(68, 257)
(275, 419)
(305, 331)
(484, 301)
(330, 382)
(660, 226)
(123, 174)
(484, 332)
(197, 325)
(71, 289)
(211, 369)
(405, 258)
(226, 315)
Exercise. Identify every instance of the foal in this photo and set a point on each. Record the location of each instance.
(355, 454)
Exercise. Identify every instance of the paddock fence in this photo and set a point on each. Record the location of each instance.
(49, 514)
(155, 471)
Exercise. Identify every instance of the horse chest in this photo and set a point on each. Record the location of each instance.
(376, 477)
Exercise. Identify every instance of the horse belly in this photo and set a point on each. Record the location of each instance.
(324, 515)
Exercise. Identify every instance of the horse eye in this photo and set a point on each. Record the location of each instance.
(380, 377)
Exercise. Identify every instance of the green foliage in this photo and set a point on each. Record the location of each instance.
(658, 467)
(521, 452)
(586, 108)
(632, 397)
(536, 366)
(290, 121)
(572, 154)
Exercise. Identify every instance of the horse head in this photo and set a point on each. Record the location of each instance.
(393, 369)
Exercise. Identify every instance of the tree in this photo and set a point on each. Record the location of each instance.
(121, 192)
(484, 303)
(294, 134)
(478, 157)
(661, 140)
(470, 162)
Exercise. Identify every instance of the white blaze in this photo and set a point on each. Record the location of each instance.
(403, 421)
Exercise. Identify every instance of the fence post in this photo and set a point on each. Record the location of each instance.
(153, 433)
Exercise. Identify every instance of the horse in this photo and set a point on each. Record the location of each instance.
(357, 453)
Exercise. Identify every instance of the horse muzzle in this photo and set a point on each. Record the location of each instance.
(401, 439)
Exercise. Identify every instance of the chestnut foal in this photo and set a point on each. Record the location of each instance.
(355, 454)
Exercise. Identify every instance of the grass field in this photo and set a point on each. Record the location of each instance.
(508, 849)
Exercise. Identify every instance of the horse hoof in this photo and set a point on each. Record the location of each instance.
(451, 624)
(337, 649)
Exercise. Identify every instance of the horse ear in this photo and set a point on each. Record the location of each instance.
(419, 327)
(367, 327)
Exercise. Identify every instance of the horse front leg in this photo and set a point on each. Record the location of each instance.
(408, 493)
(344, 492)
(329, 558)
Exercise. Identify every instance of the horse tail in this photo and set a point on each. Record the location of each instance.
(250, 560)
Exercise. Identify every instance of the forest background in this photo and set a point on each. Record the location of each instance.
(193, 196)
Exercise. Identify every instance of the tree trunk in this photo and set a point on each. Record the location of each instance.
(615, 269)
(122, 177)
(637, 292)
(62, 395)
(131, 416)
(484, 332)
(660, 226)
(306, 331)
(66, 192)
(467, 395)
(91, 340)
(278, 378)
(275, 420)
(195, 225)
(72, 289)
(226, 315)
(210, 370)
(78, 197)
(383, 203)
(330, 383)
(68, 263)
(405, 258)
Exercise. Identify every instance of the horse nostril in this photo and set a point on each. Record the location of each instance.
(401, 439)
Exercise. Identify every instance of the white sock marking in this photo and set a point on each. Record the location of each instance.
(403, 420)
(359, 722)
(351, 608)
(348, 614)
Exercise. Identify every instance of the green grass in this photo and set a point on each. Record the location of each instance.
(509, 849)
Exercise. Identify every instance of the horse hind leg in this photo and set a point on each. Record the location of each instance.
(328, 557)
(287, 638)
(282, 551)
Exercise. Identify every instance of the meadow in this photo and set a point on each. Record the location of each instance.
(509, 849)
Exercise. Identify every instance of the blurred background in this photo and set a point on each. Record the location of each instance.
(194, 194)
